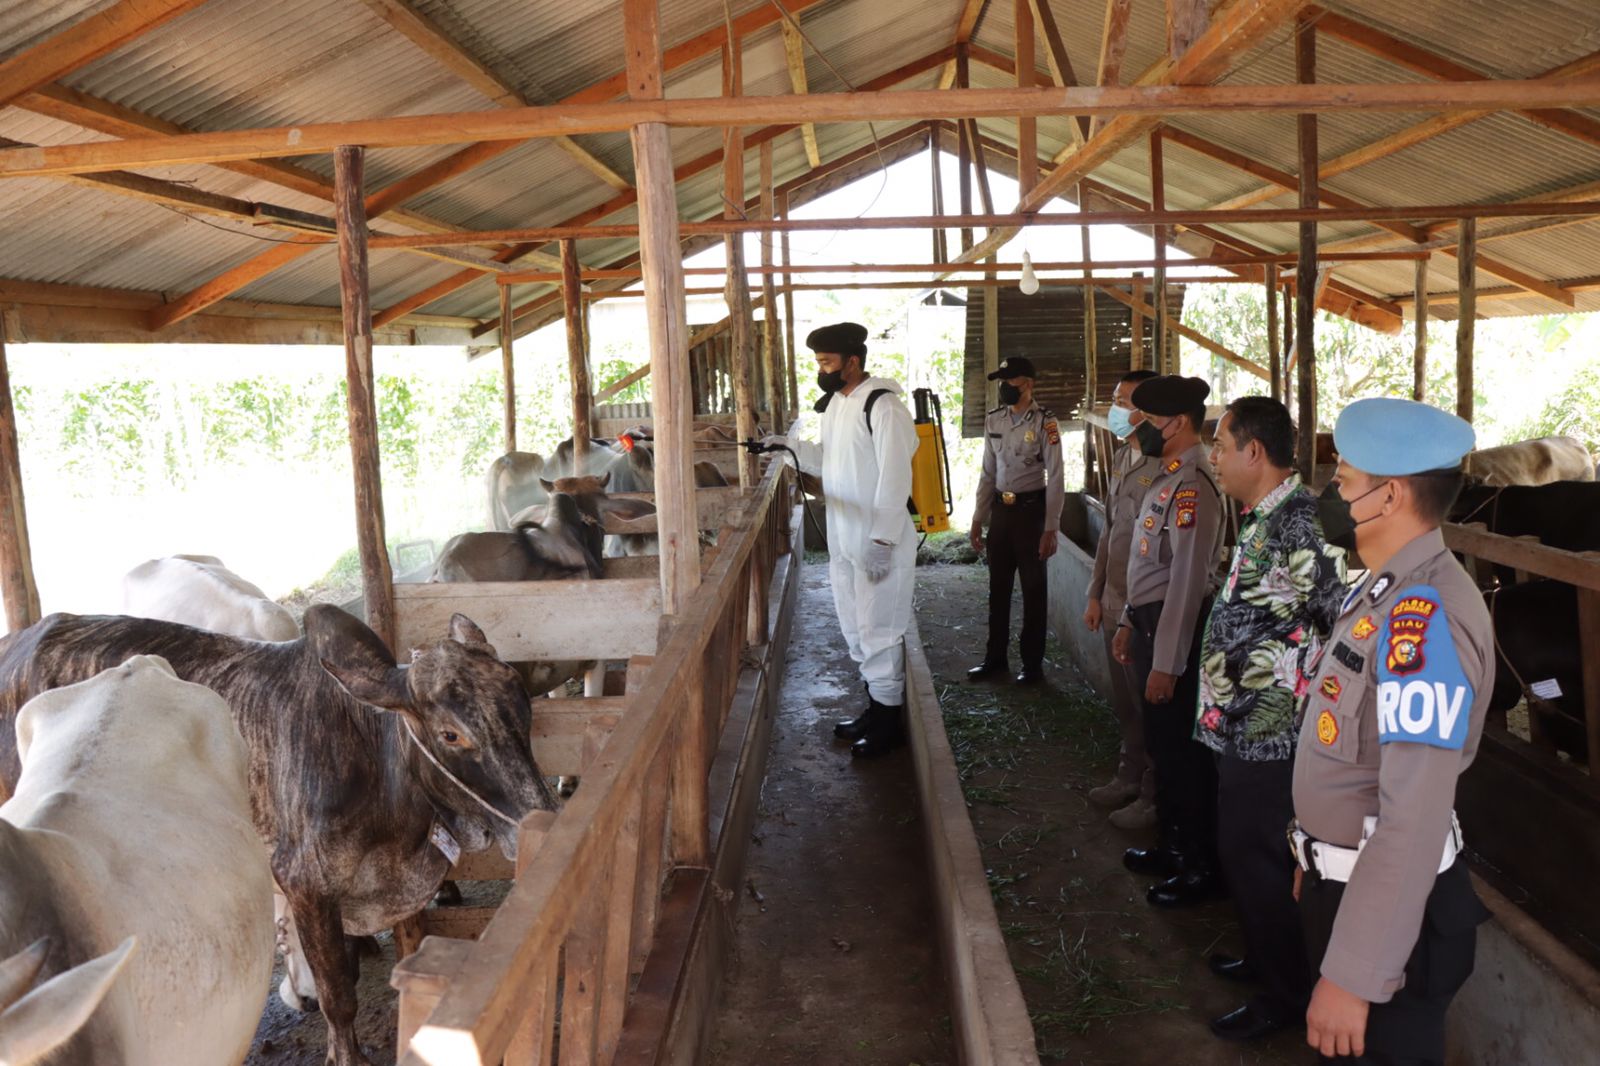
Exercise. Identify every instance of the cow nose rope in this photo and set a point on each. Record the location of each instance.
(462, 785)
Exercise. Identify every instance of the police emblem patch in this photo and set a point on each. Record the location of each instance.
(1029, 437)
(1185, 514)
(1327, 727)
(1052, 433)
(1331, 687)
(1149, 521)
(1144, 546)
(1363, 628)
(1379, 587)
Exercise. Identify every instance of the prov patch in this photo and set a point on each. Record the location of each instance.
(1424, 696)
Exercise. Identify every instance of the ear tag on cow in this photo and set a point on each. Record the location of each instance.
(441, 839)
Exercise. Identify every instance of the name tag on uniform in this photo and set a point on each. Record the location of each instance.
(1145, 481)
(1424, 696)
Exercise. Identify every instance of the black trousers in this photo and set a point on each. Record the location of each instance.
(1014, 535)
(1254, 803)
(1186, 773)
(1409, 1029)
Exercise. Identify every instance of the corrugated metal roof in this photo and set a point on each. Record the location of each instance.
(240, 63)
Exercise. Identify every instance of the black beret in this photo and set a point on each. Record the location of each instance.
(841, 338)
(1015, 367)
(1170, 395)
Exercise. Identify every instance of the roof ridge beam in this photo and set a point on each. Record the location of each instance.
(83, 42)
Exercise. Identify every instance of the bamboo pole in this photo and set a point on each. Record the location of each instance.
(1419, 352)
(577, 352)
(1305, 55)
(16, 558)
(1466, 315)
(508, 369)
(1274, 352)
(350, 214)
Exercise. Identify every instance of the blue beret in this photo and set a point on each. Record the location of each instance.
(1392, 438)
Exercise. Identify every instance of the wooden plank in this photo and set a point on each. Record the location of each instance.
(583, 971)
(421, 979)
(80, 44)
(1305, 57)
(1466, 316)
(1419, 344)
(562, 727)
(17, 585)
(538, 621)
(652, 842)
(577, 349)
(620, 930)
(794, 52)
(377, 583)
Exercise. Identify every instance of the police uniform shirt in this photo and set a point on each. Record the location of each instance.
(1392, 715)
(1131, 473)
(1021, 453)
(1176, 549)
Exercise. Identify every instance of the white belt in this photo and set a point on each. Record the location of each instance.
(1334, 863)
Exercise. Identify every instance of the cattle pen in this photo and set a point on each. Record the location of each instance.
(465, 172)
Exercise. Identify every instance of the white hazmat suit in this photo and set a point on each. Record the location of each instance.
(866, 477)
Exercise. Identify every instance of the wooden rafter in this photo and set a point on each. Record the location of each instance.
(794, 52)
(966, 26)
(449, 53)
(1055, 51)
(1113, 47)
(83, 42)
(454, 165)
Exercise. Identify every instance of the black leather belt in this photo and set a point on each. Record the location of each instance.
(1017, 499)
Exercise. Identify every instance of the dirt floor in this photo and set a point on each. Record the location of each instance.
(835, 961)
(1108, 979)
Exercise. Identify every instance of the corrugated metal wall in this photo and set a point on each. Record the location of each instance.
(1047, 328)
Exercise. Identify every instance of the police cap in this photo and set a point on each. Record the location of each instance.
(1390, 437)
(1170, 395)
(841, 338)
(1015, 367)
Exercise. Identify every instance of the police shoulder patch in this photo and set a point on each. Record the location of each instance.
(1052, 432)
(1424, 696)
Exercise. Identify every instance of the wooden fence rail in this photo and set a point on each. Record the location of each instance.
(583, 912)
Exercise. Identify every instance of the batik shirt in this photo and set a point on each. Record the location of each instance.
(1278, 605)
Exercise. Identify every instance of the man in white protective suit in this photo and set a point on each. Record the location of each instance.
(864, 460)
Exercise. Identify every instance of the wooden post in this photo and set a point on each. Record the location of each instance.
(991, 345)
(16, 559)
(1305, 56)
(1419, 351)
(773, 362)
(741, 324)
(963, 153)
(1467, 312)
(1158, 234)
(1288, 338)
(577, 352)
(1136, 322)
(941, 250)
(790, 350)
(1274, 352)
(1589, 643)
(508, 368)
(1091, 335)
(660, 255)
(350, 213)
(1027, 128)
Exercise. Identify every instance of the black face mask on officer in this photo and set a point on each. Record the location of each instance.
(1010, 395)
(830, 380)
(1335, 513)
(1152, 441)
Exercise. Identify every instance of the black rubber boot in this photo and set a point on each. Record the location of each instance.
(886, 733)
(857, 727)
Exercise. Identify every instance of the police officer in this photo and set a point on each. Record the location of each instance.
(1172, 567)
(1019, 496)
(1391, 717)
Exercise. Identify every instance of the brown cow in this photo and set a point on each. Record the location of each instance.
(1531, 462)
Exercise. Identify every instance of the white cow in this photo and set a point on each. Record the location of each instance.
(128, 848)
(198, 590)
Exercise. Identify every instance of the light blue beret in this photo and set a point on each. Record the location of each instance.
(1391, 438)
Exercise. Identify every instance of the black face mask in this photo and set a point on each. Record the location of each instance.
(1010, 395)
(830, 381)
(1150, 439)
(1334, 512)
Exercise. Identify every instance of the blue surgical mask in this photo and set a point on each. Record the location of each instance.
(1120, 421)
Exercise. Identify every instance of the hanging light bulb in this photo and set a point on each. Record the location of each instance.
(1029, 283)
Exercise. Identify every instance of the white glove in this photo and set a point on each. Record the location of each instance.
(879, 558)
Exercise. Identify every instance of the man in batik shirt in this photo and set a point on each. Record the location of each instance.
(1280, 600)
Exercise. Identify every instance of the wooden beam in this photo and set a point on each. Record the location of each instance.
(17, 585)
(794, 51)
(1113, 47)
(83, 42)
(377, 583)
(577, 351)
(1305, 66)
(1466, 317)
(1186, 21)
(1027, 125)
(1055, 53)
(672, 406)
(1419, 348)
(508, 373)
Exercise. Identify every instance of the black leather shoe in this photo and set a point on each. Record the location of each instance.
(857, 727)
(887, 733)
(986, 670)
(1152, 862)
(1185, 889)
(1234, 969)
(1031, 675)
(1246, 1023)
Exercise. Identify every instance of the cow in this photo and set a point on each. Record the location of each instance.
(1537, 655)
(128, 861)
(366, 777)
(514, 479)
(1531, 462)
(1562, 514)
(198, 590)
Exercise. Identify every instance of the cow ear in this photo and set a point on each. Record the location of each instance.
(17, 972)
(384, 687)
(48, 1016)
(549, 486)
(605, 479)
(464, 630)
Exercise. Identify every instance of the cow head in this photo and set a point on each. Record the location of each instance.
(466, 708)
